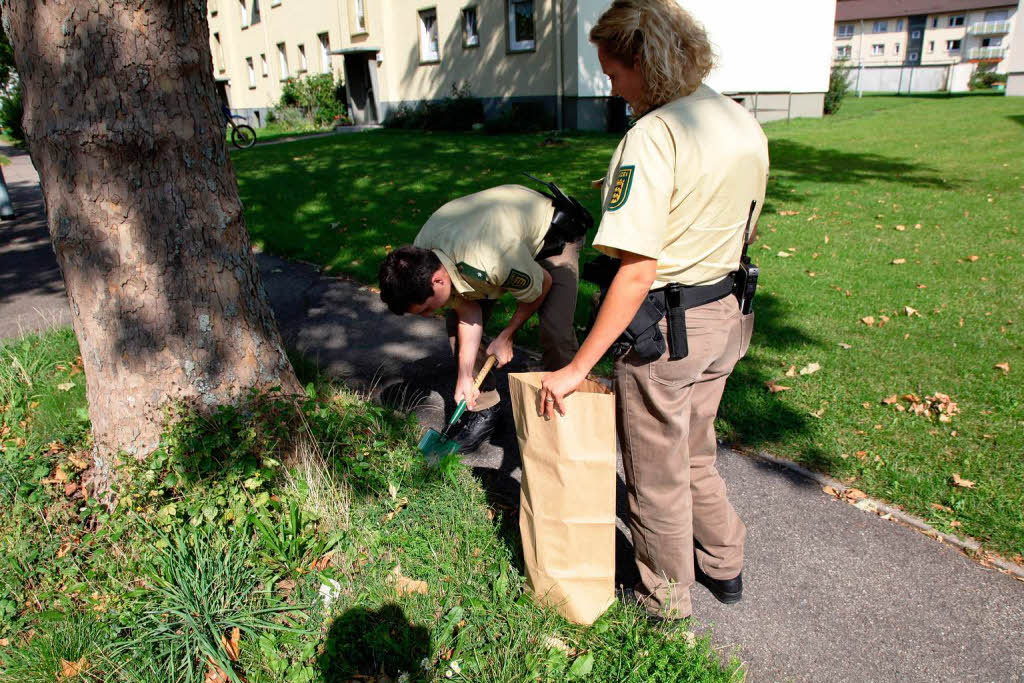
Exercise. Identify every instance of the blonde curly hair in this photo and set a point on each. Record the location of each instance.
(663, 40)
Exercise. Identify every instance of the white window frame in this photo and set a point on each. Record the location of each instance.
(844, 31)
(325, 52)
(359, 15)
(843, 52)
(219, 53)
(514, 42)
(470, 39)
(282, 58)
(245, 13)
(880, 27)
(264, 67)
(957, 20)
(998, 41)
(430, 42)
(950, 48)
(878, 49)
(252, 72)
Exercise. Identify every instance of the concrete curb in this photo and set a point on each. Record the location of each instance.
(872, 505)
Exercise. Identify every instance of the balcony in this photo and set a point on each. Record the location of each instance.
(986, 53)
(989, 28)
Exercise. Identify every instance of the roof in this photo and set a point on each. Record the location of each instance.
(851, 10)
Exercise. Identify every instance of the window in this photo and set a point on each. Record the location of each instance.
(218, 53)
(844, 31)
(913, 57)
(325, 53)
(896, 48)
(952, 46)
(213, 6)
(275, 3)
(914, 35)
(956, 20)
(302, 58)
(283, 58)
(992, 42)
(931, 46)
(428, 36)
(935, 22)
(520, 25)
(255, 13)
(264, 68)
(252, 72)
(899, 25)
(470, 31)
(245, 13)
(994, 15)
(878, 49)
(881, 27)
(843, 52)
(359, 10)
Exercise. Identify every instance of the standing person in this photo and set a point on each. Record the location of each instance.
(682, 187)
(469, 253)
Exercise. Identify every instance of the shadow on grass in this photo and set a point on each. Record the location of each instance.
(363, 644)
(1017, 118)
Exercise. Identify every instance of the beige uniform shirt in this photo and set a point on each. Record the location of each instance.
(487, 242)
(679, 188)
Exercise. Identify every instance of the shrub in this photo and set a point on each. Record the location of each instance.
(11, 111)
(520, 117)
(838, 86)
(320, 100)
(985, 77)
(456, 112)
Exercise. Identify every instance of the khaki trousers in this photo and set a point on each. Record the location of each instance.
(557, 315)
(666, 425)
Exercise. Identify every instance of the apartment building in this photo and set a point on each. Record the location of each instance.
(394, 52)
(938, 43)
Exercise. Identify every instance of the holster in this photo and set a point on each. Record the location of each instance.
(643, 335)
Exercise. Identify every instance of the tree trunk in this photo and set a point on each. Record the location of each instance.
(124, 126)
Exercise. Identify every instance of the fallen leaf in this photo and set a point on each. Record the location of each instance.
(956, 523)
(776, 388)
(4, 642)
(231, 644)
(868, 320)
(901, 228)
(943, 508)
(972, 258)
(889, 400)
(286, 585)
(400, 505)
(810, 369)
(320, 564)
(854, 494)
(553, 643)
(791, 372)
(830, 491)
(844, 345)
(898, 261)
(911, 311)
(783, 254)
(66, 386)
(406, 586)
(826, 239)
(72, 669)
(1005, 367)
(961, 482)
(788, 213)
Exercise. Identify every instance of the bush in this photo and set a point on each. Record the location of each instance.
(457, 112)
(320, 100)
(11, 111)
(985, 77)
(838, 86)
(520, 117)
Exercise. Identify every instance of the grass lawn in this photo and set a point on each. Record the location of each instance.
(337, 554)
(933, 184)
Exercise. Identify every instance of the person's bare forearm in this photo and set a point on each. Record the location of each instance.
(469, 334)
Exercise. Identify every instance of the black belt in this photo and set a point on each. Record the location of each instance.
(696, 295)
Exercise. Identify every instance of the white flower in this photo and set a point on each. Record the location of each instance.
(453, 669)
(425, 663)
(404, 678)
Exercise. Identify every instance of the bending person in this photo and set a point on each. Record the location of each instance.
(471, 252)
(682, 186)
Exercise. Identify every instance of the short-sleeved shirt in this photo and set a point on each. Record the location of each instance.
(680, 185)
(488, 242)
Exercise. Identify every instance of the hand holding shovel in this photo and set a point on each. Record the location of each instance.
(435, 443)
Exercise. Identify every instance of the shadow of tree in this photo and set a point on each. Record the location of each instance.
(1017, 118)
(363, 643)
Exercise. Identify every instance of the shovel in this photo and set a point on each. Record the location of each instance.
(435, 444)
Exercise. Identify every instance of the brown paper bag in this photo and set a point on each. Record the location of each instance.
(567, 506)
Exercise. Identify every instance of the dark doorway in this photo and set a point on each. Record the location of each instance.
(359, 83)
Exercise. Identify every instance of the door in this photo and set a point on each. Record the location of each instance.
(361, 100)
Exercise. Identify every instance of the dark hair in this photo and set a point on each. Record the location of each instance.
(405, 278)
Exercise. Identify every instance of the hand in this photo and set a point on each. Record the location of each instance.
(464, 389)
(555, 387)
(501, 348)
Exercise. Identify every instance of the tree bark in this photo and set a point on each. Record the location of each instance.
(124, 126)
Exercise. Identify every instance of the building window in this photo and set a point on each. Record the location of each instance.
(213, 6)
(275, 3)
(956, 20)
(878, 49)
(992, 42)
(899, 25)
(264, 67)
(997, 15)
(470, 31)
(302, 58)
(844, 31)
(359, 10)
(843, 52)
(896, 48)
(252, 72)
(931, 46)
(881, 27)
(218, 53)
(914, 35)
(282, 57)
(325, 53)
(429, 51)
(952, 46)
(913, 57)
(935, 22)
(255, 13)
(520, 25)
(245, 13)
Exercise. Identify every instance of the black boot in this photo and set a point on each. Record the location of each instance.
(726, 591)
(476, 427)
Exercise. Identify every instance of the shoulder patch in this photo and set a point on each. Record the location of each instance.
(472, 272)
(517, 280)
(620, 190)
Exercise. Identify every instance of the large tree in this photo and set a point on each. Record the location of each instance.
(124, 126)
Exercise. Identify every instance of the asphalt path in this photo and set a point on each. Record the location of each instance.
(831, 592)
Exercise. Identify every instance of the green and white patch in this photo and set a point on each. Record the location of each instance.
(517, 279)
(620, 190)
(469, 271)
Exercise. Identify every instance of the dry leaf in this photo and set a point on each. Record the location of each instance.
(810, 369)
(868, 320)
(830, 491)
(972, 258)
(775, 388)
(788, 213)
(286, 585)
(854, 494)
(4, 642)
(911, 311)
(826, 239)
(66, 386)
(882, 320)
(215, 674)
(901, 228)
(400, 505)
(72, 669)
(889, 400)
(961, 482)
(406, 586)
(791, 372)
(943, 508)
(956, 523)
(844, 345)
(898, 261)
(1005, 367)
(231, 644)
(783, 254)
(553, 643)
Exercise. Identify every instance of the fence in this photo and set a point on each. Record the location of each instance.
(902, 79)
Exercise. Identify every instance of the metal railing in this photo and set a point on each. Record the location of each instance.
(988, 28)
(986, 53)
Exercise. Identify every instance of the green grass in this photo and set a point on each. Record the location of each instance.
(243, 519)
(948, 164)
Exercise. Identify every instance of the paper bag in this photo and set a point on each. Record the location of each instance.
(567, 506)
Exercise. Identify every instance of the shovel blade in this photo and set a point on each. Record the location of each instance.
(435, 445)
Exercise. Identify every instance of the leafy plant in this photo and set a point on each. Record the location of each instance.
(292, 541)
(838, 86)
(71, 646)
(459, 111)
(12, 110)
(317, 96)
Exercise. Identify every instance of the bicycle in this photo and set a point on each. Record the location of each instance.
(242, 134)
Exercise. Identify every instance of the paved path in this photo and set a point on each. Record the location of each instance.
(832, 593)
